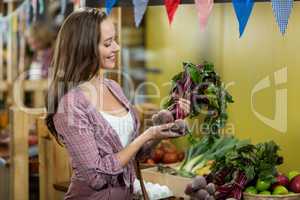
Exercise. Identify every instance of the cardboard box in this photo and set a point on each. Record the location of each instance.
(176, 184)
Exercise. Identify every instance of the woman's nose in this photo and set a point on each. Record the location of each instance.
(116, 47)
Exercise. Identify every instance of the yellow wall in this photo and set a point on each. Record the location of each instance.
(258, 54)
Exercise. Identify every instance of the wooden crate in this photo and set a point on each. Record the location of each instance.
(176, 184)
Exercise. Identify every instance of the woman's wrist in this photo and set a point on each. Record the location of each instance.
(146, 136)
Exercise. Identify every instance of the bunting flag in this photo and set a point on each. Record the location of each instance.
(204, 8)
(82, 3)
(109, 4)
(171, 6)
(282, 10)
(28, 19)
(34, 6)
(63, 7)
(41, 7)
(5, 29)
(140, 7)
(243, 9)
(15, 21)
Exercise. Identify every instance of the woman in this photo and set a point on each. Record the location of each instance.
(40, 39)
(90, 115)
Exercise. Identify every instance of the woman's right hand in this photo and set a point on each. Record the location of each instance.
(161, 132)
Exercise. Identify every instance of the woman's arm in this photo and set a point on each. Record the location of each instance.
(128, 152)
(150, 137)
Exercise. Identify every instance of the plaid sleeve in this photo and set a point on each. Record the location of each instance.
(77, 134)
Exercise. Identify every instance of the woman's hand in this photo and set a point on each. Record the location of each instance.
(185, 105)
(161, 132)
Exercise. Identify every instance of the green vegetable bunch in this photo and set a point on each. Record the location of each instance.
(203, 87)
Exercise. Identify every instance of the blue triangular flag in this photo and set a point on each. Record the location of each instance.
(243, 9)
(140, 7)
(282, 10)
(109, 4)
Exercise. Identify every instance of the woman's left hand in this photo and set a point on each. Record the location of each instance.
(185, 105)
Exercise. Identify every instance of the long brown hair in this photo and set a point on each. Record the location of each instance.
(76, 57)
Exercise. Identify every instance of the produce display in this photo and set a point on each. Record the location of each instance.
(165, 152)
(221, 167)
(281, 185)
(245, 168)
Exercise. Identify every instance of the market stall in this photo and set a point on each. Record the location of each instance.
(239, 143)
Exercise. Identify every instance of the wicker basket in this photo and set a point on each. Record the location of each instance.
(248, 196)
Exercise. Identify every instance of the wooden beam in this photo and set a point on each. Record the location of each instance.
(35, 85)
(45, 161)
(1, 53)
(19, 175)
(3, 86)
(127, 3)
(54, 165)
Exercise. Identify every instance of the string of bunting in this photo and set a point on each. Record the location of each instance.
(21, 18)
(30, 9)
(243, 9)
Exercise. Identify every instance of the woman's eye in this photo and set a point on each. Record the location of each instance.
(107, 45)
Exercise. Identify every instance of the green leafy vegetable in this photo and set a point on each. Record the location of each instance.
(203, 87)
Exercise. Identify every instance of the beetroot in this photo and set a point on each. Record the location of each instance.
(211, 188)
(189, 189)
(179, 127)
(199, 182)
(295, 184)
(162, 117)
(201, 194)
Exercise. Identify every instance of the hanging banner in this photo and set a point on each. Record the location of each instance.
(82, 3)
(34, 8)
(204, 8)
(171, 7)
(243, 9)
(282, 10)
(5, 30)
(28, 18)
(63, 6)
(109, 4)
(140, 7)
(41, 6)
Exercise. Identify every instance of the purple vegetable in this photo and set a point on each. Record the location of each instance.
(199, 182)
(233, 189)
(162, 117)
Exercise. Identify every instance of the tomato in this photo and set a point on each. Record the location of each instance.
(150, 162)
(170, 158)
(157, 155)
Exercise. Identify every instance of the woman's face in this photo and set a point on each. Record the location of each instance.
(108, 47)
(34, 44)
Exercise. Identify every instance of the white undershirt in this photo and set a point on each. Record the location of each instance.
(122, 125)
